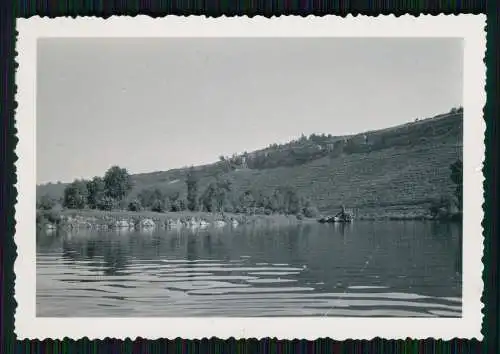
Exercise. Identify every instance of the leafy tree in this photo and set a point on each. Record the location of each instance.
(208, 199)
(440, 207)
(247, 200)
(145, 197)
(159, 206)
(192, 190)
(118, 182)
(173, 197)
(457, 178)
(223, 188)
(292, 202)
(178, 205)
(154, 199)
(75, 195)
(309, 210)
(275, 202)
(260, 199)
(236, 161)
(135, 205)
(216, 195)
(45, 216)
(106, 203)
(45, 202)
(96, 191)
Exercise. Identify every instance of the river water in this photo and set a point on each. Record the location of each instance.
(401, 269)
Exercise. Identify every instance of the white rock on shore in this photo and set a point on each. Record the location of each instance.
(50, 227)
(122, 224)
(219, 223)
(147, 223)
(174, 223)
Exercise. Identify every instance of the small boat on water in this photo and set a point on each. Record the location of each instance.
(342, 216)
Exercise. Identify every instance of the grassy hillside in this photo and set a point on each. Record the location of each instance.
(394, 171)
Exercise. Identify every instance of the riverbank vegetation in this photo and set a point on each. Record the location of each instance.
(111, 192)
(127, 220)
(106, 201)
(449, 207)
(400, 172)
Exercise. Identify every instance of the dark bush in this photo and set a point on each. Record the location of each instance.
(182, 204)
(135, 205)
(310, 212)
(76, 195)
(43, 217)
(158, 206)
(106, 203)
(40, 218)
(45, 202)
(192, 190)
(440, 208)
(176, 205)
(53, 217)
(434, 210)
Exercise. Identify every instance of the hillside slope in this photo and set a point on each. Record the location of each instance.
(394, 171)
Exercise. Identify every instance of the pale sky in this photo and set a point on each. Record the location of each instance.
(156, 104)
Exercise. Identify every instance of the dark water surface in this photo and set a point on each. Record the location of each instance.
(363, 269)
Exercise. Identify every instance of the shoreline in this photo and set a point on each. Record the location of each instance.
(112, 220)
(120, 219)
(449, 218)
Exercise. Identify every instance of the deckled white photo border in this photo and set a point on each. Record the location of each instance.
(469, 27)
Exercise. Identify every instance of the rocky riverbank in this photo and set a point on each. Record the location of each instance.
(117, 220)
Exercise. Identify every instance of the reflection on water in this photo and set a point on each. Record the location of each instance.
(363, 269)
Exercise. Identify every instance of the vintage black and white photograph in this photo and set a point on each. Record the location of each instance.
(249, 177)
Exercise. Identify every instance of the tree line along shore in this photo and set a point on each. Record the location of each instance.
(99, 203)
(104, 202)
(416, 166)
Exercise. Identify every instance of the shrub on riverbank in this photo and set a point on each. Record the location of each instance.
(450, 208)
(44, 217)
(135, 205)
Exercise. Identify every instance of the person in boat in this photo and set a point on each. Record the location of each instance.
(341, 213)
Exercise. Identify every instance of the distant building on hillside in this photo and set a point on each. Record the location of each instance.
(244, 162)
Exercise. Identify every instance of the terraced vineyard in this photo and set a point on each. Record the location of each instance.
(395, 171)
(392, 181)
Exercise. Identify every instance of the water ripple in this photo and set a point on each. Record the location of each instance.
(207, 288)
(109, 278)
